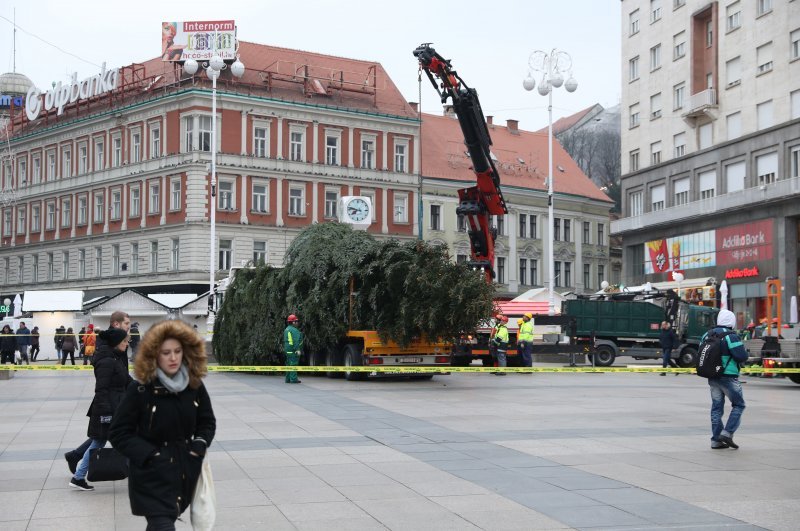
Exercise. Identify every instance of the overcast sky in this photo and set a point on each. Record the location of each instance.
(488, 41)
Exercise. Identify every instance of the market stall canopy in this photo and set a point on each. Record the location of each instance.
(173, 300)
(52, 301)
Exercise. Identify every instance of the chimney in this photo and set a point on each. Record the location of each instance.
(489, 121)
(447, 110)
(513, 126)
(414, 105)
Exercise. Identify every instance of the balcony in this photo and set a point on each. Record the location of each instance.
(702, 104)
(780, 190)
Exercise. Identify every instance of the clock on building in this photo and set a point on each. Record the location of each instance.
(356, 211)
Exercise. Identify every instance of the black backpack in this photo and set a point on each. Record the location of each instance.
(709, 356)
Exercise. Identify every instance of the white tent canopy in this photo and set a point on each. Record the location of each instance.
(52, 301)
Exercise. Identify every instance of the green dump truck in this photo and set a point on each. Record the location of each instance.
(629, 325)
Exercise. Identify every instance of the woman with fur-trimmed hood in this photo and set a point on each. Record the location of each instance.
(165, 423)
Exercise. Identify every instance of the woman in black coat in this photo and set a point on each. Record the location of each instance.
(8, 345)
(165, 423)
(111, 380)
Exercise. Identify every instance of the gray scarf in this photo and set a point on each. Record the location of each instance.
(177, 383)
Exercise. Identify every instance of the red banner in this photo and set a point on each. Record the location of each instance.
(750, 242)
(659, 255)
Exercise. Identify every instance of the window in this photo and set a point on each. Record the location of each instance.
(523, 225)
(260, 141)
(705, 136)
(655, 57)
(634, 113)
(655, 10)
(636, 204)
(533, 219)
(204, 133)
(296, 146)
(679, 141)
(297, 203)
(634, 160)
(601, 234)
(153, 257)
(794, 162)
(7, 221)
(225, 255)
(136, 202)
(767, 168)
(66, 212)
(655, 106)
(259, 252)
(188, 139)
(22, 174)
(65, 265)
(135, 258)
(98, 261)
(154, 205)
(764, 6)
(368, 153)
(36, 222)
(66, 163)
(461, 222)
(655, 152)
(82, 159)
(794, 45)
(633, 22)
(678, 96)
(116, 152)
(501, 270)
(400, 208)
(523, 271)
(678, 45)
(587, 231)
(115, 260)
(51, 165)
(461, 259)
(35, 268)
(764, 58)
(331, 200)
(260, 198)
(633, 69)
(734, 125)
(709, 33)
(21, 220)
(733, 72)
(225, 195)
(82, 263)
(116, 204)
(332, 150)
(587, 274)
(82, 210)
(557, 274)
(136, 147)
(99, 155)
(534, 272)
(371, 195)
(708, 184)
(400, 157)
(99, 207)
(50, 222)
(436, 217)
(175, 254)
(601, 274)
(567, 231)
(764, 115)
(155, 141)
(657, 197)
(175, 193)
(733, 15)
(678, 3)
(500, 224)
(557, 229)
(36, 173)
(681, 187)
(734, 176)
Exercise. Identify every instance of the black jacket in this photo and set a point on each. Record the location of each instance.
(8, 342)
(59, 338)
(668, 339)
(153, 420)
(111, 380)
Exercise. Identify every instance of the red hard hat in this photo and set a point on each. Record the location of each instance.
(292, 318)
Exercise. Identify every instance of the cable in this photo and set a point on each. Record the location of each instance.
(48, 43)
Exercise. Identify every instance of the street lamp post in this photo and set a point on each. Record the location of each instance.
(552, 66)
(213, 68)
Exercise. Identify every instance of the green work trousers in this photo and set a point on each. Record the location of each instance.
(292, 360)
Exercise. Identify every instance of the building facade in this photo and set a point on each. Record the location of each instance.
(711, 145)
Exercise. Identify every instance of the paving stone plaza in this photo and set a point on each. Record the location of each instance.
(460, 452)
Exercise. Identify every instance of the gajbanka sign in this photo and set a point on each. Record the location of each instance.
(62, 94)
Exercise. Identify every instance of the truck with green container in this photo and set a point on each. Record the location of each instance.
(623, 324)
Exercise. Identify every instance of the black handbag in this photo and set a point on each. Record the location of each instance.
(107, 464)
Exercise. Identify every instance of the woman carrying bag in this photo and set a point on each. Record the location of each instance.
(165, 423)
(89, 342)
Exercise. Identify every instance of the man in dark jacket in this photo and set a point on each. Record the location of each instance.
(668, 340)
(733, 353)
(23, 342)
(59, 340)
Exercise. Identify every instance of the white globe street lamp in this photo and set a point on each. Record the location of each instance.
(552, 66)
(213, 68)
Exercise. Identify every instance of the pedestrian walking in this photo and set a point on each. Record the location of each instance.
(89, 344)
(292, 345)
(727, 384)
(34, 343)
(81, 337)
(668, 340)
(500, 341)
(23, 342)
(165, 424)
(68, 346)
(8, 345)
(111, 380)
(134, 343)
(58, 339)
(525, 340)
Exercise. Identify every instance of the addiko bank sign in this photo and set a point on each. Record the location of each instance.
(63, 94)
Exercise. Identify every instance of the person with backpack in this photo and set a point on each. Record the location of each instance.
(721, 352)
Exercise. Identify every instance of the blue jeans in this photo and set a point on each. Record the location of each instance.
(83, 466)
(666, 357)
(720, 388)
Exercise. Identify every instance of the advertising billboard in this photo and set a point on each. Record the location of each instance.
(197, 40)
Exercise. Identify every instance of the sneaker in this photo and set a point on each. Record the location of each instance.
(727, 439)
(80, 484)
(72, 461)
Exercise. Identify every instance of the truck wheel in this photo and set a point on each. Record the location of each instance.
(332, 360)
(687, 357)
(353, 358)
(794, 377)
(604, 356)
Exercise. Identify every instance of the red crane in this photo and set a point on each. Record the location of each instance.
(485, 199)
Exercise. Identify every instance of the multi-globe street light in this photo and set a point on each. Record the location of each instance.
(213, 68)
(552, 66)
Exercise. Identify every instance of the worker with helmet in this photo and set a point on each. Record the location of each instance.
(292, 344)
(500, 341)
(525, 340)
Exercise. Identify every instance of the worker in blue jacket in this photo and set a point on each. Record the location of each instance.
(292, 345)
